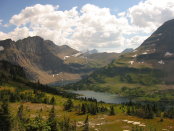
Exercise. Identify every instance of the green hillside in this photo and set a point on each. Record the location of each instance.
(27, 106)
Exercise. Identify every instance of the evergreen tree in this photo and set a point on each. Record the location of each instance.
(37, 124)
(5, 120)
(20, 113)
(52, 121)
(86, 124)
(68, 105)
(83, 109)
(53, 101)
(112, 111)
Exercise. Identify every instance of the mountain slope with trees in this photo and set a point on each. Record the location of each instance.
(145, 72)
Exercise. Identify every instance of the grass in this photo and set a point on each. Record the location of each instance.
(100, 122)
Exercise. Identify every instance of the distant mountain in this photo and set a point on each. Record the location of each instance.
(162, 39)
(47, 62)
(103, 57)
(88, 52)
(42, 59)
(150, 65)
(158, 50)
(128, 50)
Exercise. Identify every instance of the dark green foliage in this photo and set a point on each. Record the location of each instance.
(52, 121)
(86, 124)
(68, 105)
(83, 109)
(169, 113)
(10, 71)
(32, 96)
(149, 110)
(112, 111)
(5, 119)
(20, 113)
(51, 90)
(37, 124)
(53, 101)
(92, 108)
(67, 125)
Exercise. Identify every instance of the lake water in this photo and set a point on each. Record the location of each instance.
(100, 96)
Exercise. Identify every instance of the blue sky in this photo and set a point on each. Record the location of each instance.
(11, 7)
(107, 25)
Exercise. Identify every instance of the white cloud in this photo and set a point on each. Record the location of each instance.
(3, 36)
(92, 26)
(1, 48)
(150, 14)
(135, 41)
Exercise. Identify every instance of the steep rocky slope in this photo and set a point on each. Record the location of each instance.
(47, 62)
(143, 69)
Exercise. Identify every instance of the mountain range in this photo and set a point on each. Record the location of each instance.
(142, 72)
(149, 65)
(47, 62)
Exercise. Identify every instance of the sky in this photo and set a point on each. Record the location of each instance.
(105, 25)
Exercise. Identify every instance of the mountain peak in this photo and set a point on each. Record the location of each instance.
(127, 50)
(162, 39)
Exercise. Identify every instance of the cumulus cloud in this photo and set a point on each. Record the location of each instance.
(150, 14)
(91, 26)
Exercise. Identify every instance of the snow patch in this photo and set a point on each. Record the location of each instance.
(130, 122)
(1, 48)
(142, 125)
(65, 57)
(134, 55)
(136, 123)
(144, 53)
(161, 62)
(168, 54)
(131, 62)
(77, 54)
(124, 120)
(54, 75)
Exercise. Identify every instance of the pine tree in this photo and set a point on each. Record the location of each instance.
(20, 112)
(37, 124)
(53, 101)
(83, 109)
(112, 111)
(52, 121)
(5, 119)
(86, 124)
(68, 105)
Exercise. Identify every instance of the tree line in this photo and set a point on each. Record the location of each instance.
(34, 96)
(19, 122)
(148, 110)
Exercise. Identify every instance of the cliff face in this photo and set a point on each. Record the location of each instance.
(162, 39)
(150, 64)
(40, 58)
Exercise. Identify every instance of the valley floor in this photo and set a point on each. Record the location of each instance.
(100, 122)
